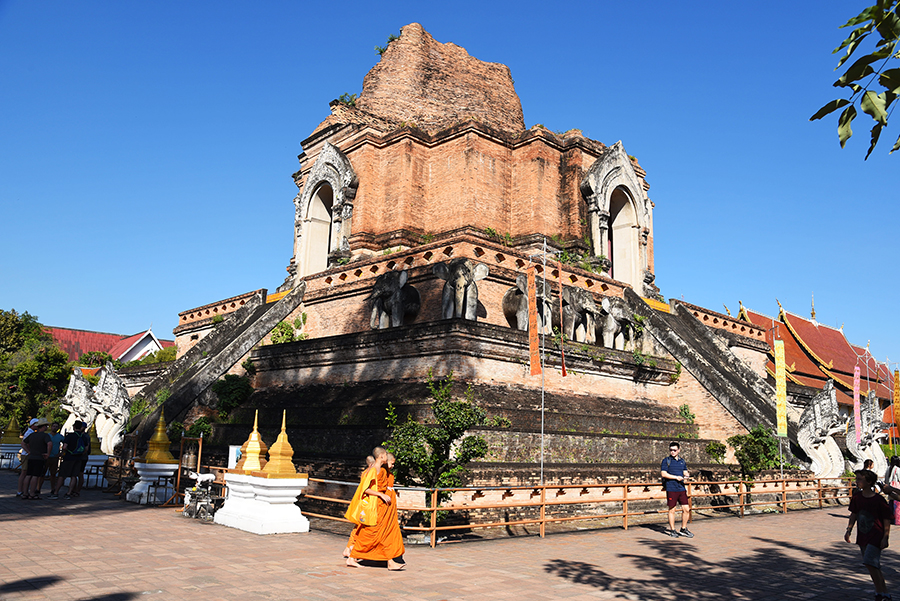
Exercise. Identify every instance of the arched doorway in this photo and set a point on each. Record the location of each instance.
(317, 231)
(623, 251)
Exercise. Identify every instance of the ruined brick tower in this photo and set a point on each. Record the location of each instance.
(436, 144)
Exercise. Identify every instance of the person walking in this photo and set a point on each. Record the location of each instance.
(870, 512)
(674, 473)
(383, 541)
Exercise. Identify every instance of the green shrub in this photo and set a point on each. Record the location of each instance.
(716, 451)
(232, 391)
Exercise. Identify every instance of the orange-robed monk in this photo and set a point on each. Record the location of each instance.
(383, 541)
(370, 461)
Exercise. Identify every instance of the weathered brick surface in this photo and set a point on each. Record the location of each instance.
(435, 85)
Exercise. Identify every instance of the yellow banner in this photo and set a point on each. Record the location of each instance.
(534, 351)
(780, 388)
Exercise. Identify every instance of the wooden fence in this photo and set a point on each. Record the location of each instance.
(504, 506)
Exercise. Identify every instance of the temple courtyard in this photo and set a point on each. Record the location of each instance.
(100, 548)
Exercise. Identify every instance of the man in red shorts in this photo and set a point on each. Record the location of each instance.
(674, 473)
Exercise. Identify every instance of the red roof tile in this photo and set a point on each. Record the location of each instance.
(77, 342)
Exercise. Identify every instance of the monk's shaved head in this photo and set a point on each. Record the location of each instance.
(379, 452)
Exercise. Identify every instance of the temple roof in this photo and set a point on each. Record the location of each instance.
(77, 342)
(815, 353)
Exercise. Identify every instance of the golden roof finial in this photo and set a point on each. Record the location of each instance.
(812, 315)
(253, 452)
(159, 444)
(280, 454)
(95, 442)
(11, 435)
(726, 309)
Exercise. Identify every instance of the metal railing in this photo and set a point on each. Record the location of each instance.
(549, 504)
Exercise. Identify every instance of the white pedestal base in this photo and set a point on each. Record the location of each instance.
(263, 505)
(145, 492)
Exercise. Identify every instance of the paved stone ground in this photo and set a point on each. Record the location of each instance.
(103, 549)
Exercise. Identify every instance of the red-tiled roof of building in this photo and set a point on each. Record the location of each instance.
(828, 346)
(77, 342)
(794, 355)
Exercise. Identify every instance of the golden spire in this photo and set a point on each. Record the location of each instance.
(11, 435)
(812, 314)
(253, 452)
(280, 455)
(95, 442)
(159, 445)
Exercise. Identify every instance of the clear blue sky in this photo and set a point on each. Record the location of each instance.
(146, 149)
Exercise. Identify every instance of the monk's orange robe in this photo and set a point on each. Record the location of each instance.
(384, 540)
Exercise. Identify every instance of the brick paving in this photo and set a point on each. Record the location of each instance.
(103, 549)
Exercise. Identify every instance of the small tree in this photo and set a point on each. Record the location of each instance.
(232, 391)
(755, 451)
(716, 451)
(436, 454)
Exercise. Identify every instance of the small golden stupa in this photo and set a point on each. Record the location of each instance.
(95, 442)
(280, 455)
(159, 445)
(11, 435)
(253, 452)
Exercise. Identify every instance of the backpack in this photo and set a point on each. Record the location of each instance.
(661, 479)
(79, 450)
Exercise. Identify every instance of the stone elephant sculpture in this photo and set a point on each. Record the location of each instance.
(515, 307)
(392, 300)
(580, 315)
(615, 325)
(460, 294)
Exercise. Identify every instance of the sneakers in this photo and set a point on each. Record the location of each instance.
(672, 533)
(67, 497)
(52, 496)
(685, 533)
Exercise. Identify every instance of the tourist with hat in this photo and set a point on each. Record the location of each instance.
(38, 446)
(23, 460)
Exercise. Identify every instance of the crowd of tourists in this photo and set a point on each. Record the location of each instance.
(49, 455)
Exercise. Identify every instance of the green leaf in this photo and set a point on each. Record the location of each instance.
(861, 68)
(830, 108)
(865, 15)
(851, 43)
(844, 121)
(876, 132)
(873, 105)
(890, 79)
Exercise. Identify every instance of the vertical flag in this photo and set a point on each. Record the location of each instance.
(562, 339)
(780, 388)
(896, 400)
(857, 418)
(533, 351)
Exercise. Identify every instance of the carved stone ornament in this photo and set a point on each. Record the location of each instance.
(393, 300)
(580, 315)
(106, 405)
(818, 424)
(460, 294)
(871, 434)
(515, 306)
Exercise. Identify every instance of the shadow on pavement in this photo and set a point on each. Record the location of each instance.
(32, 584)
(39, 582)
(678, 570)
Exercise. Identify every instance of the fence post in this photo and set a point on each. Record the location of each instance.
(625, 507)
(819, 489)
(433, 517)
(783, 495)
(741, 494)
(543, 508)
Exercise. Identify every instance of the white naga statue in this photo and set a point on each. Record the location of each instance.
(107, 405)
(871, 434)
(819, 423)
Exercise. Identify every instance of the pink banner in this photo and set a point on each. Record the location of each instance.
(857, 419)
